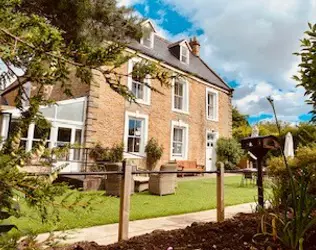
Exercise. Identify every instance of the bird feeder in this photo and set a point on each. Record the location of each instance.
(260, 146)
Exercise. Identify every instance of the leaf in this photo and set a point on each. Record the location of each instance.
(4, 215)
(6, 228)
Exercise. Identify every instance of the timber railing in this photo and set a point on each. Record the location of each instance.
(125, 190)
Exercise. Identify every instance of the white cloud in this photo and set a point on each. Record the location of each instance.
(252, 42)
(251, 99)
(128, 2)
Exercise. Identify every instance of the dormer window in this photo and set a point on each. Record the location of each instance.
(148, 34)
(181, 50)
(184, 54)
(147, 39)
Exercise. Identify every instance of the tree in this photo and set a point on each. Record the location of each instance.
(307, 73)
(241, 127)
(239, 119)
(47, 40)
(229, 152)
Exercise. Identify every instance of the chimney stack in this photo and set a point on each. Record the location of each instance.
(195, 45)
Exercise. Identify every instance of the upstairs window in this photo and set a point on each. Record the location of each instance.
(138, 87)
(184, 54)
(148, 35)
(212, 105)
(148, 39)
(180, 95)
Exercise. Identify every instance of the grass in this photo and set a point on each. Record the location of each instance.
(191, 196)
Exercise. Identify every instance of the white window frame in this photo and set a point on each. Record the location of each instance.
(185, 105)
(152, 34)
(147, 90)
(144, 117)
(215, 104)
(185, 126)
(182, 47)
(55, 123)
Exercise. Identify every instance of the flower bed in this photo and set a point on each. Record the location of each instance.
(234, 234)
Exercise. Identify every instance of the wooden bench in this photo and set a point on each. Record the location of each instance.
(189, 166)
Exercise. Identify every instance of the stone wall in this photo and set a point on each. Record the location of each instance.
(106, 117)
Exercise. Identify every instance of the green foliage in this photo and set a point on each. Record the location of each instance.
(229, 152)
(294, 196)
(108, 154)
(16, 185)
(241, 127)
(241, 132)
(48, 40)
(305, 160)
(239, 119)
(154, 152)
(306, 77)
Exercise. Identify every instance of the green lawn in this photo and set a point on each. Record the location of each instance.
(191, 196)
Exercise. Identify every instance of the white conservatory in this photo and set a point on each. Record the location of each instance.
(68, 122)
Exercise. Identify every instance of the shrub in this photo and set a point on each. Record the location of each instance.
(229, 152)
(154, 152)
(305, 160)
(113, 154)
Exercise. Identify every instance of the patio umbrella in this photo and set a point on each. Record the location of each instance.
(289, 145)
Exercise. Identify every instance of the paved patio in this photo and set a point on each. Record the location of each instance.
(108, 234)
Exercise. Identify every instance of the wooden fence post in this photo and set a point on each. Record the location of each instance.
(125, 197)
(220, 193)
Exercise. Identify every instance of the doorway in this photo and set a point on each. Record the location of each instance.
(210, 155)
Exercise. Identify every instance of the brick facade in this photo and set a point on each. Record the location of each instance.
(105, 114)
(106, 117)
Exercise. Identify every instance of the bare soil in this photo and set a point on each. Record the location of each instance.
(234, 234)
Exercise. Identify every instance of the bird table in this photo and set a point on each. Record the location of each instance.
(260, 146)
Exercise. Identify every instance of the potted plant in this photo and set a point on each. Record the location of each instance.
(154, 152)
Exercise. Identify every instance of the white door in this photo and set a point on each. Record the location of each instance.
(210, 155)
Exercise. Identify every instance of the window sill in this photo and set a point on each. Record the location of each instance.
(180, 111)
(212, 120)
(173, 158)
(134, 155)
(140, 101)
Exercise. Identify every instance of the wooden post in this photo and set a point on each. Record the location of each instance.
(125, 196)
(220, 193)
(260, 181)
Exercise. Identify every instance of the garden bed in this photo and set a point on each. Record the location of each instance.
(235, 234)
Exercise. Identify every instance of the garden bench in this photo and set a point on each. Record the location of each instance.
(189, 166)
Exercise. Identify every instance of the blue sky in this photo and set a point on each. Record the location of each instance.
(249, 43)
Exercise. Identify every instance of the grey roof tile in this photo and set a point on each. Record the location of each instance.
(196, 67)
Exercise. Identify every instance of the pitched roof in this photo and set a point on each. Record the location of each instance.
(196, 67)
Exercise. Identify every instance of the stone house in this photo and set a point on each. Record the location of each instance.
(186, 118)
